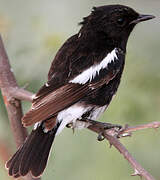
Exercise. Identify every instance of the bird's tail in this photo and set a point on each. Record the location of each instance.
(33, 154)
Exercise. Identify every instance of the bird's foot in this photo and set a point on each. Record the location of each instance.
(112, 129)
(100, 136)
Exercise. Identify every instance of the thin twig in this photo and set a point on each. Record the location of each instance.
(21, 94)
(130, 129)
(9, 87)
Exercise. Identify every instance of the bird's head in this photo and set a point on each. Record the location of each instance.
(113, 21)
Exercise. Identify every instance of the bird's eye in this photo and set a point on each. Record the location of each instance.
(120, 21)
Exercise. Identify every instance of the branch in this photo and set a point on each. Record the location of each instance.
(109, 135)
(13, 106)
(9, 87)
(131, 129)
(11, 92)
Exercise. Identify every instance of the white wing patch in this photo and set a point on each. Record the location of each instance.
(91, 72)
(95, 114)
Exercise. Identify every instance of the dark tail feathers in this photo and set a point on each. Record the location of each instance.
(33, 154)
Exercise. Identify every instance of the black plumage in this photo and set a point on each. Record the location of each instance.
(82, 80)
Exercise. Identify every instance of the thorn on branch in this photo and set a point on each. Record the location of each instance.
(122, 132)
(156, 125)
(136, 173)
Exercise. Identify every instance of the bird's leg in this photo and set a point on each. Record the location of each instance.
(103, 126)
(70, 125)
(78, 124)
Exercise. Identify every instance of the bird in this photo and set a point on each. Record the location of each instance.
(83, 78)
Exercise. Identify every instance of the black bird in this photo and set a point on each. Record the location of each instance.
(82, 80)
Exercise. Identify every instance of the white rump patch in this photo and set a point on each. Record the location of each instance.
(91, 72)
(74, 114)
(97, 111)
(71, 114)
(81, 124)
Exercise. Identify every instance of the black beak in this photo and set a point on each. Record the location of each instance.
(141, 18)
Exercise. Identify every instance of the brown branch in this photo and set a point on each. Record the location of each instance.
(11, 92)
(109, 135)
(9, 87)
(131, 129)
(13, 106)
(21, 94)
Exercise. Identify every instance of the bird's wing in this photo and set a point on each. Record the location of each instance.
(71, 59)
(61, 98)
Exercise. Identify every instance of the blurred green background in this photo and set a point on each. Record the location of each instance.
(33, 31)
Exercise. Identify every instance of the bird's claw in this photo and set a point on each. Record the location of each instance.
(100, 137)
(110, 126)
(112, 129)
(70, 125)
